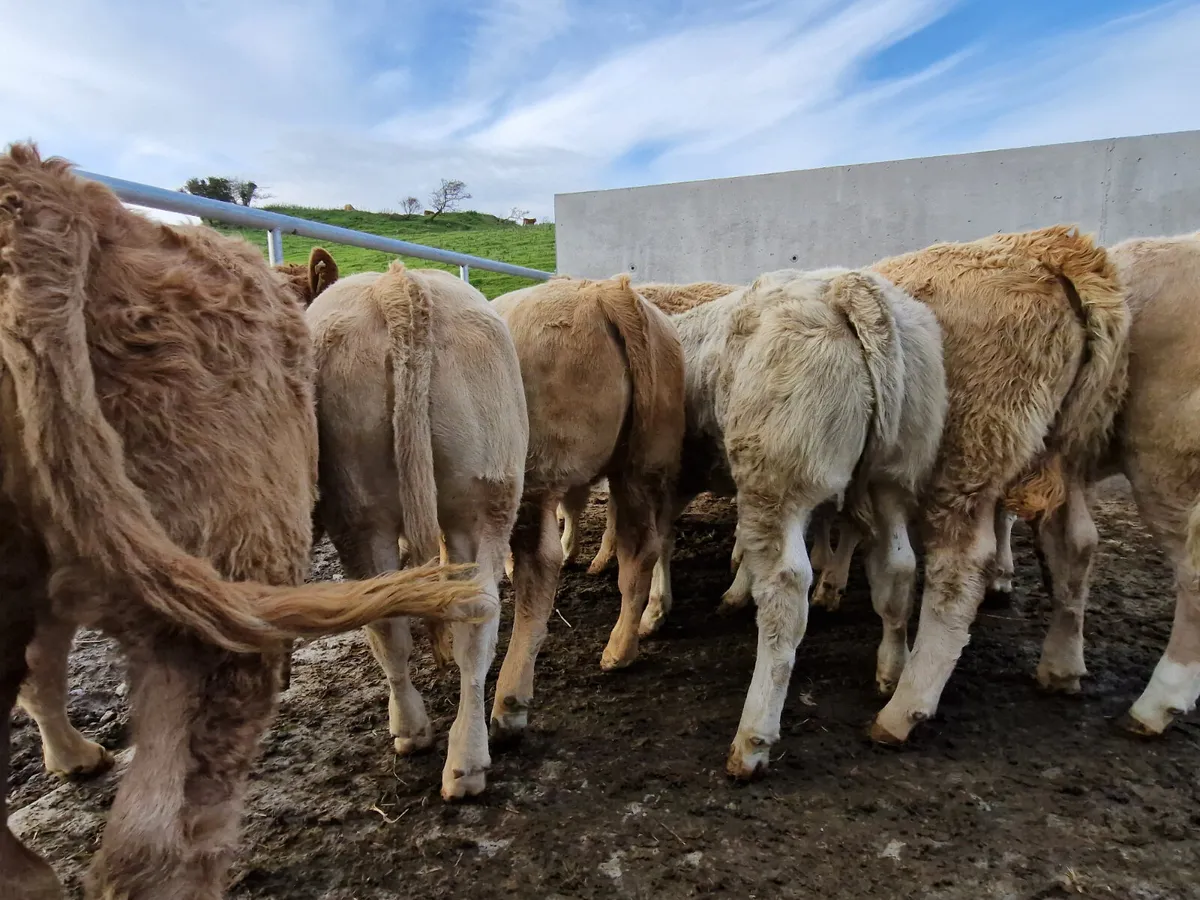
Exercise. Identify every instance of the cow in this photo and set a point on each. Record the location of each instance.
(1035, 332)
(603, 377)
(671, 299)
(803, 389)
(424, 431)
(66, 752)
(308, 281)
(1155, 445)
(157, 437)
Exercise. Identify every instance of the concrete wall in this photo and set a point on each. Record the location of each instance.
(733, 229)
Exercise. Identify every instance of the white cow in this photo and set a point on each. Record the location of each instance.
(797, 393)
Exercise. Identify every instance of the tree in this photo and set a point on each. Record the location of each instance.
(411, 206)
(516, 215)
(246, 192)
(447, 197)
(228, 190)
(214, 188)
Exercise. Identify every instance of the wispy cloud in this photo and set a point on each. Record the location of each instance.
(523, 98)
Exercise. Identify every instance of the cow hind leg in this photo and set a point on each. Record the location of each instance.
(781, 573)
(1175, 683)
(892, 575)
(66, 752)
(737, 595)
(198, 714)
(467, 756)
(638, 513)
(955, 575)
(390, 640)
(571, 508)
(23, 874)
(831, 586)
(999, 589)
(608, 543)
(537, 557)
(822, 547)
(662, 597)
(1068, 540)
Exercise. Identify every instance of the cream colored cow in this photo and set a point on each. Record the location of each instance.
(423, 431)
(797, 394)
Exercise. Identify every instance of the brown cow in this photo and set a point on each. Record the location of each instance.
(603, 376)
(1034, 329)
(156, 393)
(309, 281)
(671, 299)
(423, 429)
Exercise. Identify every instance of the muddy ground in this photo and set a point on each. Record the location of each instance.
(619, 791)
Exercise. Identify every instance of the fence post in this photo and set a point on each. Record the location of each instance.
(275, 246)
(464, 272)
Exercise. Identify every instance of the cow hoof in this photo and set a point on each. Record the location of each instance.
(597, 566)
(411, 745)
(652, 620)
(882, 735)
(91, 760)
(611, 662)
(459, 785)
(749, 758)
(1058, 684)
(1130, 724)
(827, 596)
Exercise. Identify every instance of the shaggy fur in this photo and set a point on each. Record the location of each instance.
(1157, 446)
(307, 282)
(679, 298)
(424, 431)
(797, 388)
(1035, 333)
(156, 393)
(603, 376)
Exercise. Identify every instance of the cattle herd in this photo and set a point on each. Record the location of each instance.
(179, 422)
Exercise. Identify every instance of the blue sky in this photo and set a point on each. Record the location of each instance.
(328, 102)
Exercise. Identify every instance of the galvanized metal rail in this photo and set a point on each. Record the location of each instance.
(277, 225)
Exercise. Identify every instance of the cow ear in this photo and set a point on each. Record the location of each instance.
(322, 270)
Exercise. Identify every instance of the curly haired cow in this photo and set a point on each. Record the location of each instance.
(423, 427)
(156, 402)
(603, 377)
(1035, 328)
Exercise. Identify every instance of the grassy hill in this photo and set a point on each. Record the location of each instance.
(476, 233)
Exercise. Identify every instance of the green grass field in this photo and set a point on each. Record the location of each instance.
(467, 232)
